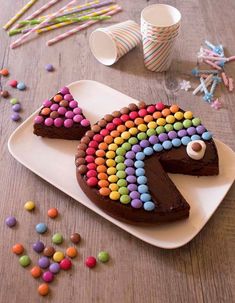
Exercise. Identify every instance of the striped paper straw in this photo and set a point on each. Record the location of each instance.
(22, 39)
(80, 27)
(19, 14)
(62, 24)
(38, 12)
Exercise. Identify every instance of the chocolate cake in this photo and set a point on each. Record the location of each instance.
(123, 161)
(61, 118)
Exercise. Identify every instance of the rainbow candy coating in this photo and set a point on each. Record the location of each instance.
(111, 156)
(61, 110)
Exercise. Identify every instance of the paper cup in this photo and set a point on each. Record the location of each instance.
(109, 44)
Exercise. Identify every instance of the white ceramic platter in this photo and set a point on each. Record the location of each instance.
(53, 160)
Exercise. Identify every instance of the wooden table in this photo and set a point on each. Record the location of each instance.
(201, 271)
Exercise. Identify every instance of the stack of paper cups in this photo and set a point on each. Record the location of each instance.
(109, 44)
(160, 24)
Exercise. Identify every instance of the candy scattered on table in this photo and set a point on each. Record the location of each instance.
(75, 238)
(4, 93)
(48, 276)
(24, 261)
(18, 249)
(49, 251)
(15, 117)
(43, 289)
(36, 272)
(44, 262)
(71, 252)
(90, 262)
(29, 205)
(41, 228)
(21, 86)
(38, 246)
(13, 83)
(4, 72)
(57, 238)
(49, 67)
(103, 256)
(58, 256)
(11, 221)
(54, 268)
(14, 101)
(65, 264)
(52, 212)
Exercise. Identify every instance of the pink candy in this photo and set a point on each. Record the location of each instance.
(58, 122)
(68, 123)
(85, 122)
(69, 114)
(125, 117)
(77, 111)
(61, 110)
(91, 166)
(91, 173)
(151, 109)
(64, 90)
(159, 106)
(54, 107)
(93, 144)
(104, 132)
(90, 151)
(117, 121)
(73, 104)
(38, 119)
(98, 138)
(90, 159)
(47, 103)
(142, 112)
(92, 181)
(110, 126)
(68, 97)
(133, 115)
(77, 118)
(49, 122)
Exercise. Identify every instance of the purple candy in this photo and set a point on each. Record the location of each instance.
(69, 114)
(130, 171)
(43, 262)
(85, 122)
(64, 90)
(49, 122)
(163, 137)
(10, 221)
(68, 97)
(136, 148)
(191, 131)
(130, 155)
(54, 268)
(77, 118)
(47, 103)
(136, 203)
(132, 187)
(62, 110)
(38, 119)
(153, 139)
(16, 107)
(77, 111)
(200, 129)
(182, 133)
(54, 107)
(135, 195)
(38, 246)
(15, 117)
(58, 122)
(172, 134)
(131, 179)
(144, 143)
(49, 67)
(68, 123)
(129, 162)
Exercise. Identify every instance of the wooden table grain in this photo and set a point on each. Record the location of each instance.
(201, 271)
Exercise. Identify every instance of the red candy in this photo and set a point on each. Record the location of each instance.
(91, 166)
(143, 112)
(124, 117)
(13, 83)
(151, 109)
(94, 144)
(92, 181)
(117, 121)
(90, 151)
(90, 262)
(91, 173)
(98, 138)
(110, 126)
(104, 132)
(65, 264)
(133, 115)
(90, 159)
(160, 106)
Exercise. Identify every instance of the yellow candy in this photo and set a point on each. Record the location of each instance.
(161, 121)
(152, 124)
(125, 135)
(114, 195)
(110, 162)
(188, 115)
(111, 171)
(58, 256)
(110, 154)
(170, 119)
(142, 127)
(113, 178)
(133, 131)
(30, 205)
(179, 115)
(118, 140)
(112, 146)
(113, 187)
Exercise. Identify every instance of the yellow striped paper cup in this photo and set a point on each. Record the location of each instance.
(109, 44)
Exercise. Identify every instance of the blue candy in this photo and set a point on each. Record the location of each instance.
(167, 144)
(141, 180)
(142, 189)
(145, 197)
(140, 156)
(207, 136)
(176, 142)
(139, 164)
(158, 147)
(140, 172)
(41, 228)
(185, 140)
(148, 151)
(195, 137)
(21, 86)
(149, 206)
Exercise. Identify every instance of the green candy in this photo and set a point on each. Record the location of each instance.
(14, 101)
(123, 191)
(120, 166)
(24, 260)
(187, 123)
(121, 174)
(168, 127)
(151, 132)
(120, 151)
(57, 238)
(126, 146)
(133, 140)
(196, 121)
(142, 136)
(125, 199)
(178, 125)
(160, 130)
(122, 183)
(103, 256)
(119, 159)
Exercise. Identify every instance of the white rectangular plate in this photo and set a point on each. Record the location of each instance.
(53, 160)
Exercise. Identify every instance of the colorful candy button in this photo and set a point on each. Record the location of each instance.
(38, 246)
(57, 238)
(52, 212)
(58, 256)
(43, 262)
(24, 261)
(65, 264)
(43, 289)
(29, 205)
(41, 228)
(36, 272)
(90, 262)
(17, 249)
(11, 221)
(75, 238)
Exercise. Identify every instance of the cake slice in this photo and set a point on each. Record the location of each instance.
(61, 118)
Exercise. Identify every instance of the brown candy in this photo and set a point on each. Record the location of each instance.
(141, 104)
(133, 107)
(82, 146)
(96, 128)
(108, 118)
(116, 114)
(64, 103)
(80, 154)
(82, 169)
(85, 140)
(102, 123)
(196, 147)
(124, 110)
(4, 94)
(54, 115)
(89, 134)
(80, 161)
(49, 251)
(75, 238)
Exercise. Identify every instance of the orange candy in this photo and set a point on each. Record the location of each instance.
(166, 112)
(57, 98)
(108, 139)
(114, 133)
(102, 176)
(4, 72)
(36, 271)
(103, 146)
(18, 249)
(157, 115)
(139, 121)
(129, 124)
(52, 212)
(71, 252)
(104, 191)
(148, 118)
(103, 183)
(101, 168)
(121, 128)
(100, 153)
(45, 111)
(174, 108)
(43, 289)
(99, 161)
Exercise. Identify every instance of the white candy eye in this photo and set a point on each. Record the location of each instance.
(196, 149)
